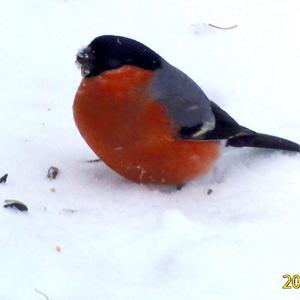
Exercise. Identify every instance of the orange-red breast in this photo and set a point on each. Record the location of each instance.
(149, 121)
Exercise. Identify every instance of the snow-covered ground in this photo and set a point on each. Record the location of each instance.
(91, 234)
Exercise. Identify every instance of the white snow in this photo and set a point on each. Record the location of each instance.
(98, 236)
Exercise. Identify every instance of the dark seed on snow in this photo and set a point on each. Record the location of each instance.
(15, 204)
(93, 160)
(209, 191)
(52, 173)
(3, 178)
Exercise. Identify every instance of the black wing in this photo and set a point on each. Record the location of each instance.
(239, 136)
(198, 118)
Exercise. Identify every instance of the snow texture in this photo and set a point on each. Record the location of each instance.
(90, 234)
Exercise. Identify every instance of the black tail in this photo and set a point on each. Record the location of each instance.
(240, 136)
(259, 140)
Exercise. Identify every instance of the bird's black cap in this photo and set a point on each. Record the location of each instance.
(108, 52)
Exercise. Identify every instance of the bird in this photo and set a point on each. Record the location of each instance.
(149, 121)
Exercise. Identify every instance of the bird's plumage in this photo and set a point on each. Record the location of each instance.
(134, 100)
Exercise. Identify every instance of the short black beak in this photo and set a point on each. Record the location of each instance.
(83, 55)
(84, 60)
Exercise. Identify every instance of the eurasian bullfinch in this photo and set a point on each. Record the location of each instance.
(149, 121)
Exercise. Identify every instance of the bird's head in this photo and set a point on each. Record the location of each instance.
(108, 52)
